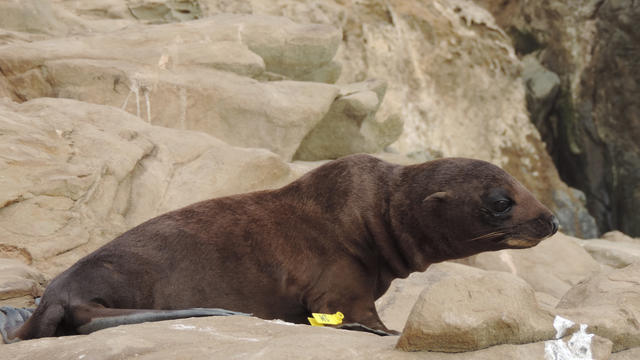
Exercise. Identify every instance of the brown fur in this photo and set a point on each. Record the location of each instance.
(331, 241)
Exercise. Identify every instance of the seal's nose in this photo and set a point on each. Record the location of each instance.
(554, 224)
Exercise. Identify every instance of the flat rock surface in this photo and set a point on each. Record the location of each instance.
(240, 337)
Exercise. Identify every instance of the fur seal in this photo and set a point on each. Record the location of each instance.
(330, 241)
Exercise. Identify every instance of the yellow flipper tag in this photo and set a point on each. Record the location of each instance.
(326, 319)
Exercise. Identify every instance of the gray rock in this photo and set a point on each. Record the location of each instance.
(572, 213)
(542, 88)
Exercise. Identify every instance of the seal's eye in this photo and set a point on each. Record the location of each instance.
(501, 206)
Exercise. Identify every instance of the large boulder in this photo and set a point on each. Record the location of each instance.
(85, 173)
(457, 313)
(395, 305)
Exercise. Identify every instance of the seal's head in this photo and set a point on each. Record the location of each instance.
(477, 207)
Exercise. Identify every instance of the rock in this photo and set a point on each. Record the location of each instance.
(578, 345)
(395, 305)
(572, 214)
(610, 253)
(631, 354)
(154, 11)
(610, 304)
(86, 173)
(552, 267)
(244, 337)
(542, 88)
(592, 130)
(350, 126)
(32, 16)
(19, 280)
(459, 313)
(619, 237)
(165, 75)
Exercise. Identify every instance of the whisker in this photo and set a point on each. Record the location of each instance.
(488, 236)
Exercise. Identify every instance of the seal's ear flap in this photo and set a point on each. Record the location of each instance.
(436, 197)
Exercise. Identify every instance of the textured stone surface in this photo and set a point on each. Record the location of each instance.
(243, 337)
(610, 304)
(167, 75)
(19, 280)
(593, 127)
(350, 126)
(631, 354)
(457, 313)
(395, 305)
(610, 253)
(552, 267)
(85, 173)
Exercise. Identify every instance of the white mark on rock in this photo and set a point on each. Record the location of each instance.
(577, 348)
(281, 322)
(137, 85)
(183, 107)
(561, 325)
(163, 61)
(240, 31)
(212, 332)
(148, 102)
(82, 356)
(183, 327)
(508, 259)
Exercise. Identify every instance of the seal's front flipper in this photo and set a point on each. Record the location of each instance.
(11, 319)
(360, 327)
(94, 318)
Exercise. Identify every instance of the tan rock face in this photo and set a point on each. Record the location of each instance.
(19, 280)
(164, 75)
(552, 267)
(85, 173)
(457, 313)
(395, 305)
(350, 126)
(610, 304)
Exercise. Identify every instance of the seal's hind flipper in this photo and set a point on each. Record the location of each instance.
(12, 318)
(101, 318)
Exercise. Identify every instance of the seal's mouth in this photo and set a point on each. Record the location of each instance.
(522, 243)
(510, 239)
